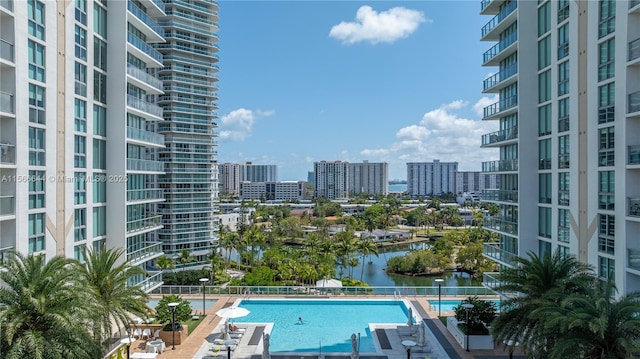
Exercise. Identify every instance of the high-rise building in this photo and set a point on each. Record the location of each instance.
(371, 178)
(109, 188)
(258, 173)
(229, 178)
(189, 76)
(431, 178)
(278, 191)
(568, 109)
(474, 181)
(331, 179)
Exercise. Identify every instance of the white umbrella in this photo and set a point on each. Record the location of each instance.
(232, 312)
(329, 283)
(421, 335)
(410, 317)
(265, 346)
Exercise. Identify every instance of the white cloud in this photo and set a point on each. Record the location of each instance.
(479, 106)
(441, 134)
(238, 124)
(374, 27)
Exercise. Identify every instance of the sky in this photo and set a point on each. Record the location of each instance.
(383, 81)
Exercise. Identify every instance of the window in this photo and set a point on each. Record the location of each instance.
(80, 110)
(606, 146)
(100, 20)
(36, 232)
(564, 185)
(99, 221)
(564, 225)
(36, 146)
(563, 251)
(606, 101)
(78, 252)
(36, 104)
(563, 10)
(607, 17)
(36, 189)
(81, 11)
(99, 54)
(80, 151)
(36, 61)
(544, 18)
(544, 154)
(544, 222)
(99, 86)
(544, 120)
(564, 152)
(544, 188)
(563, 41)
(606, 234)
(80, 224)
(544, 248)
(544, 86)
(99, 120)
(99, 154)
(606, 268)
(99, 191)
(606, 189)
(563, 115)
(36, 12)
(81, 42)
(81, 79)
(79, 188)
(606, 66)
(563, 78)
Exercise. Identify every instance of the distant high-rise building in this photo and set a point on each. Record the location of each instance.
(310, 177)
(258, 173)
(469, 181)
(229, 178)
(568, 109)
(331, 179)
(268, 191)
(371, 178)
(431, 178)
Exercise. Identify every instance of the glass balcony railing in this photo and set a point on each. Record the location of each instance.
(498, 18)
(633, 155)
(504, 74)
(634, 207)
(144, 47)
(634, 49)
(6, 102)
(500, 106)
(633, 3)
(499, 47)
(499, 195)
(151, 250)
(145, 136)
(500, 166)
(192, 5)
(510, 133)
(7, 153)
(5, 253)
(144, 223)
(145, 194)
(144, 106)
(501, 225)
(188, 49)
(490, 279)
(633, 101)
(146, 19)
(144, 165)
(7, 4)
(492, 250)
(7, 206)
(153, 281)
(633, 256)
(143, 76)
(6, 50)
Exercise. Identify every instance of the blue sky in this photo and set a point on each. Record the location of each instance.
(384, 81)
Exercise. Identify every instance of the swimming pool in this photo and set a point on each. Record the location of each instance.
(447, 305)
(196, 304)
(326, 323)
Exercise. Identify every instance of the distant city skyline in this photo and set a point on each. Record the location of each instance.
(352, 81)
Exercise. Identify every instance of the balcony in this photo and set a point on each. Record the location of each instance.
(490, 280)
(6, 50)
(147, 194)
(500, 137)
(144, 47)
(632, 6)
(150, 251)
(634, 51)
(499, 195)
(490, 6)
(493, 251)
(495, 109)
(633, 257)
(146, 20)
(144, 224)
(491, 58)
(154, 84)
(144, 165)
(7, 154)
(633, 155)
(193, 6)
(5, 253)
(7, 206)
(144, 106)
(633, 102)
(6, 103)
(500, 166)
(187, 49)
(151, 282)
(7, 4)
(500, 78)
(494, 25)
(634, 207)
(137, 134)
(501, 225)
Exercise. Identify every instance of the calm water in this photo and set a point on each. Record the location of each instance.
(401, 187)
(196, 304)
(447, 305)
(326, 323)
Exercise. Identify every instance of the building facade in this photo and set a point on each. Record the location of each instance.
(229, 179)
(331, 179)
(258, 173)
(568, 115)
(431, 178)
(471, 181)
(370, 178)
(273, 191)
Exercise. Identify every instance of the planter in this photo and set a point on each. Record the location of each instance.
(166, 336)
(476, 342)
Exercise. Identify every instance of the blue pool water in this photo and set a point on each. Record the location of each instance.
(447, 305)
(327, 323)
(196, 304)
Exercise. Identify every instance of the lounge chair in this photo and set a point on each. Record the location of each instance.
(146, 334)
(156, 334)
(137, 333)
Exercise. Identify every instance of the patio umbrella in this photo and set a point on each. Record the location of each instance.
(329, 283)
(421, 335)
(354, 347)
(265, 346)
(232, 312)
(410, 318)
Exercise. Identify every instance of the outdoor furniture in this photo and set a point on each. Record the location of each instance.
(143, 356)
(146, 334)
(137, 333)
(156, 346)
(156, 334)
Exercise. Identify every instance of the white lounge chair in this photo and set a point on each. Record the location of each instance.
(146, 334)
(137, 333)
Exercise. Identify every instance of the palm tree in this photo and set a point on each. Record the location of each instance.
(366, 247)
(164, 263)
(44, 310)
(536, 282)
(115, 300)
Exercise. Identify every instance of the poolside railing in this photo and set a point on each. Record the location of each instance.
(248, 291)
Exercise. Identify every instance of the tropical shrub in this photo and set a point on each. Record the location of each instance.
(164, 313)
(480, 316)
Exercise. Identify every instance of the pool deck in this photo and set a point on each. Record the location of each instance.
(439, 343)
